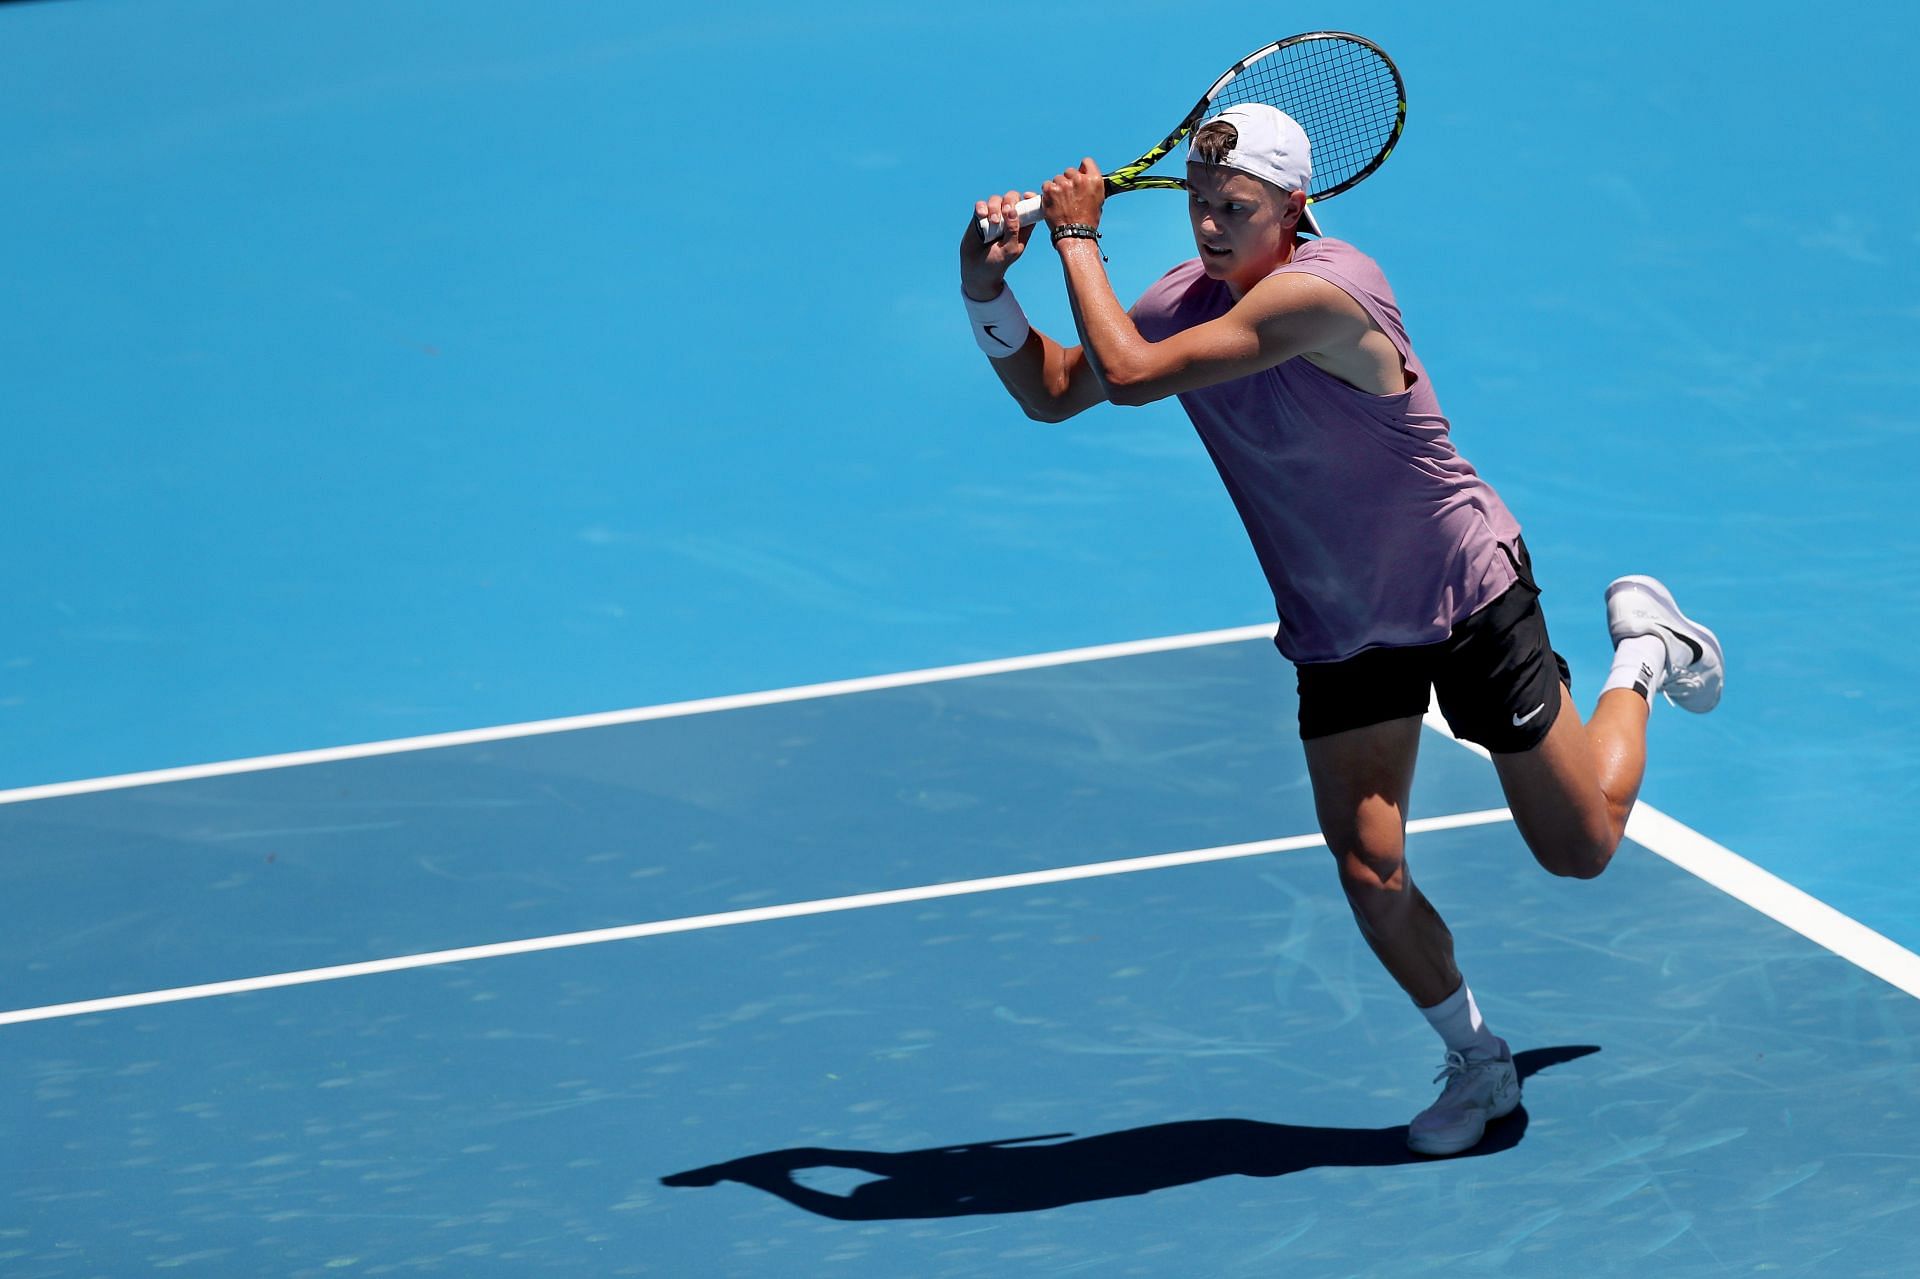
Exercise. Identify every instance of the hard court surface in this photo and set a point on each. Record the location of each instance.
(386, 370)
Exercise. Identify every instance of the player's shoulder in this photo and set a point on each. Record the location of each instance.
(1337, 263)
(1331, 254)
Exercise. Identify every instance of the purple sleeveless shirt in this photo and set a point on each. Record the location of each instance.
(1373, 531)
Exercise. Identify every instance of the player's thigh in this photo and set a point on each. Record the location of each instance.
(1362, 779)
(1360, 725)
(1554, 792)
(1502, 685)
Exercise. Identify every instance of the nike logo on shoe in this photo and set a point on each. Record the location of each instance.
(1694, 648)
(1519, 719)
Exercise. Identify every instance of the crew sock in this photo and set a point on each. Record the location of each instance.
(1457, 1019)
(1639, 663)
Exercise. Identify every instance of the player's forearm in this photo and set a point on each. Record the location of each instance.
(1024, 374)
(1118, 353)
(1034, 368)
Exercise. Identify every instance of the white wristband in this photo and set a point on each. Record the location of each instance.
(999, 326)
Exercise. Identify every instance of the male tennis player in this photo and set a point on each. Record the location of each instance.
(1396, 569)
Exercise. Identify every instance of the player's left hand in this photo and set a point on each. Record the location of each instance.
(984, 263)
(1074, 196)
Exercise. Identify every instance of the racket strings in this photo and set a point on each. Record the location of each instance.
(1345, 95)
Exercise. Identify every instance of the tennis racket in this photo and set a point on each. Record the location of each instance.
(1342, 89)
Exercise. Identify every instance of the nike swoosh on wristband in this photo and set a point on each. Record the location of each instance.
(1519, 719)
(996, 337)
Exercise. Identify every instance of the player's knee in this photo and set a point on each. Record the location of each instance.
(1366, 871)
(1584, 868)
(1579, 855)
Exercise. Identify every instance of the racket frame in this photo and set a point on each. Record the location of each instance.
(1134, 176)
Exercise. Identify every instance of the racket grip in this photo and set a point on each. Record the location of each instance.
(1029, 211)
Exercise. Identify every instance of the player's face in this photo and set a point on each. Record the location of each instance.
(1243, 227)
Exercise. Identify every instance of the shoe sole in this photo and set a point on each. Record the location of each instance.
(1654, 587)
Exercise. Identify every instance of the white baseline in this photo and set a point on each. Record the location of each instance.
(637, 715)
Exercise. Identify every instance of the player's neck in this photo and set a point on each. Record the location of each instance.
(1238, 285)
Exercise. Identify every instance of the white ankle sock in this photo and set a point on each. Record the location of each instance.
(1639, 663)
(1457, 1019)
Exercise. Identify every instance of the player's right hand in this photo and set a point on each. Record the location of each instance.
(984, 266)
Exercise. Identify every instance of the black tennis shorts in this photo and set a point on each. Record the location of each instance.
(1497, 677)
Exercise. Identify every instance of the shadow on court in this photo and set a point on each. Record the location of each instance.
(1015, 1175)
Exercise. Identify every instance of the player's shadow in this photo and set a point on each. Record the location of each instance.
(1018, 1176)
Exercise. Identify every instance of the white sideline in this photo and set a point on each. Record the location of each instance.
(1774, 897)
(692, 923)
(1761, 889)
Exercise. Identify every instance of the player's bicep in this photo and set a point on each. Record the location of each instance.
(1050, 381)
(1071, 380)
(1282, 317)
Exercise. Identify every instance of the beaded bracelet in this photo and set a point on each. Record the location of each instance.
(1078, 231)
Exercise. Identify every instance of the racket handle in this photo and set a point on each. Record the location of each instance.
(1029, 211)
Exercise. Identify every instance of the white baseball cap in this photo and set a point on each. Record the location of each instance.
(1271, 147)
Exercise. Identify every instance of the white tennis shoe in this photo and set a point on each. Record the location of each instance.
(1696, 666)
(1479, 1090)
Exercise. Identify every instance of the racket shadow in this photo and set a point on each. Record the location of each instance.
(1019, 1175)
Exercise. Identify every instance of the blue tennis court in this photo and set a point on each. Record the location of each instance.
(1192, 1067)
(398, 394)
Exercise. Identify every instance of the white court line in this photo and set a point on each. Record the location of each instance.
(604, 719)
(1660, 834)
(693, 923)
(1761, 889)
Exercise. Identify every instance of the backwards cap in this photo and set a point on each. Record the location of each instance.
(1270, 147)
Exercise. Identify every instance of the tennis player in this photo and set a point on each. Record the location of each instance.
(1396, 569)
